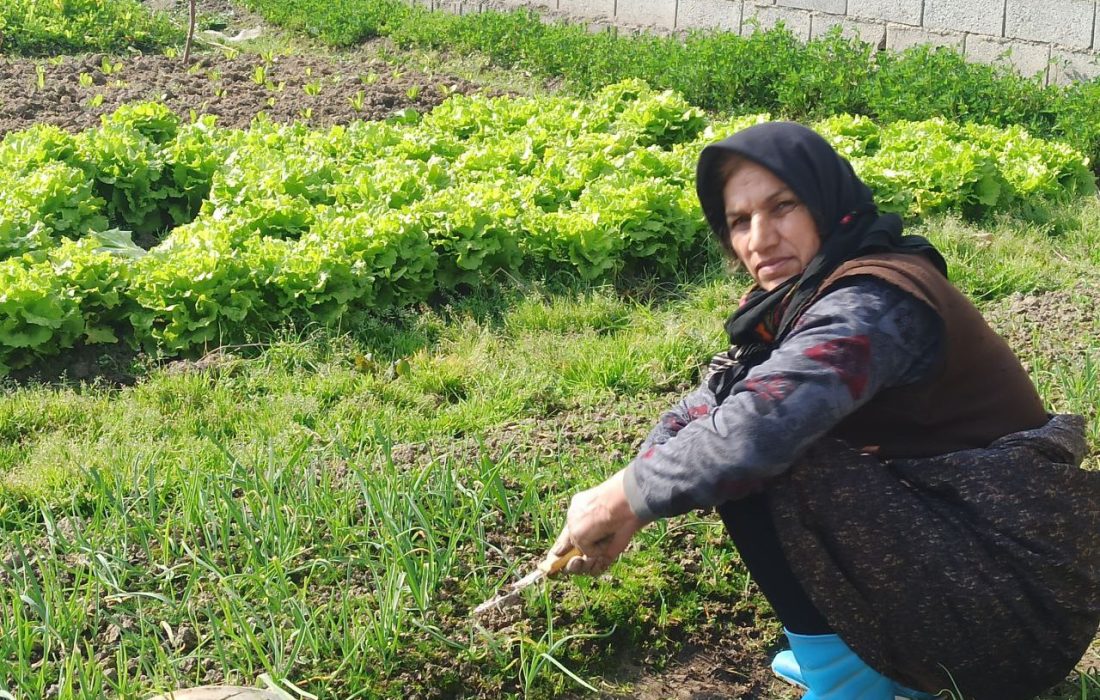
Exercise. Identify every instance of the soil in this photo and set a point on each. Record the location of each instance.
(318, 90)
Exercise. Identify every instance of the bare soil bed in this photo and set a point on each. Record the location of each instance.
(75, 91)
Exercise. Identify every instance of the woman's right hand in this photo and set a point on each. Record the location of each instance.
(600, 523)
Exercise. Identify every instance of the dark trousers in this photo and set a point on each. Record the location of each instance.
(749, 524)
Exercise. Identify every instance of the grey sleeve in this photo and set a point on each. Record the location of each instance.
(695, 405)
(856, 340)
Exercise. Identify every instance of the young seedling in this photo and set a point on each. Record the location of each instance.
(357, 101)
(109, 68)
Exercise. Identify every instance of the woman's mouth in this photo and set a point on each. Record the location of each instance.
(769, 268)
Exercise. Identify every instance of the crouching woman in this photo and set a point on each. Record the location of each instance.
(879, 457)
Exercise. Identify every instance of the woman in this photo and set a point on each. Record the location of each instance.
(878, 455)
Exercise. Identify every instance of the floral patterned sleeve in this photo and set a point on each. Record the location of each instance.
(695, 405)
(856, 340)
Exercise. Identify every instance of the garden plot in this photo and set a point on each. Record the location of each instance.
(73, 92)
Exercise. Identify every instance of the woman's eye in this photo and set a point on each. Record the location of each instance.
(738, 223)
(785, 206)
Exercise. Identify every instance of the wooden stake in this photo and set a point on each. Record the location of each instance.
(190, 32)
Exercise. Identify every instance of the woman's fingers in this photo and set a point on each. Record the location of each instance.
(585, 565)
(563, 544)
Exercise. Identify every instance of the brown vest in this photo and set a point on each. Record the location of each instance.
(979, 393)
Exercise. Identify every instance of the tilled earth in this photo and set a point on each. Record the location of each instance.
(73, 92)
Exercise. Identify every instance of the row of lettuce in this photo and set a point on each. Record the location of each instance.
(244, 230)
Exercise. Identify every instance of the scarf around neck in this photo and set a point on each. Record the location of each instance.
(847, 220)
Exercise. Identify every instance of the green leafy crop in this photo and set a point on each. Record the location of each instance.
(36, 28)
(241, 232)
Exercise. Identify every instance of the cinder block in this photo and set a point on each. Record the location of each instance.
(900, 37)
(764, 17)
(975, 16)
(868, 32)
(1070, 66)
(836, 7)
(902, 11)
(588, 8)
(650, 13)
(710, 14)
(1063, 22)
(1027, 58)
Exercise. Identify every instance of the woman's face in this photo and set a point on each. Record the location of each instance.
(770, 229)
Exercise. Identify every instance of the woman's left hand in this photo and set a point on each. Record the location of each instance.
(600, 523)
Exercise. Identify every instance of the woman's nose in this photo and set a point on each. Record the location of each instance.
(761, 233)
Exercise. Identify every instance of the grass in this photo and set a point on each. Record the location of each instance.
(327, 509)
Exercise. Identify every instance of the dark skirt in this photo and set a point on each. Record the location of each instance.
(977, 570)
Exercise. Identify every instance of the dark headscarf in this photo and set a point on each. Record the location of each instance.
(840, 203)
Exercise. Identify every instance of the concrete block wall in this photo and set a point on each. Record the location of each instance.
(1057, 39)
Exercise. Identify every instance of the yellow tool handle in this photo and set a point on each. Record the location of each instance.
(553, 563)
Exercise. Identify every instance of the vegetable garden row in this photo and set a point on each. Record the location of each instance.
(279, 222)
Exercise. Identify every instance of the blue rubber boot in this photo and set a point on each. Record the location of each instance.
(832, 671)
(785, 666)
